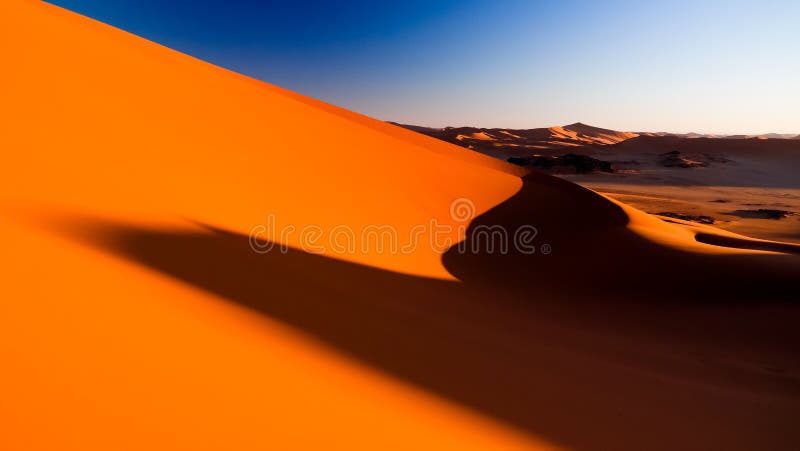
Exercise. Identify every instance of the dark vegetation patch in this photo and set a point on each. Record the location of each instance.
(762, 213)
(566, 164)
(702, 219)
(674, 159)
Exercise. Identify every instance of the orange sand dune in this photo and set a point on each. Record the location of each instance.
(582, 134)
(214, 146)
(504, 143)
(728, 181)
(136, 315)
(596, 135)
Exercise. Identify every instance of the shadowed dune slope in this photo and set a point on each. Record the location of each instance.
(135, 314)
(608, 371)
(607, 250)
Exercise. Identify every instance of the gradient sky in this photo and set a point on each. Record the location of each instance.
(705, 66)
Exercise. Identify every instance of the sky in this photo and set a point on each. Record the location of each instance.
(699, 65)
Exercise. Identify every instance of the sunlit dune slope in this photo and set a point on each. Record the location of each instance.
(596, 135)
(121, 125)
(100, 353)
(134, 314)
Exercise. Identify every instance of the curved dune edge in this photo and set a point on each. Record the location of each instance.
(103, 353)
(747, 243)
(135, 129)
(724, 238)
(701, 238)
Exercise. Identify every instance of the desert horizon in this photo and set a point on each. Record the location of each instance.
(201, 256)
(684, 134)
(741, 183)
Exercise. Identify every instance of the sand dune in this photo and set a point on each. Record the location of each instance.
(729, 181)
(722, 179)
(136, 315)
(596, 135)
(513, 142)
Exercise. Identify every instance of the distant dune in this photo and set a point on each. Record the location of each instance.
(707, 177)
(138, 314)
(558, 137)
(484, 139)
(595, 135)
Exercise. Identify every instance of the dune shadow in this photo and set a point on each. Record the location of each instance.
(525, 345)
(594, 256)
(740, 243)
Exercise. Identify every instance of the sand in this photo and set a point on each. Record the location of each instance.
(739, 179)
(746, 184)
(136, 315)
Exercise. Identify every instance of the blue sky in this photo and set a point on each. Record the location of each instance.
(703, 65)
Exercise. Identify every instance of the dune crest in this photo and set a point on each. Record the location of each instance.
(134, 128)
